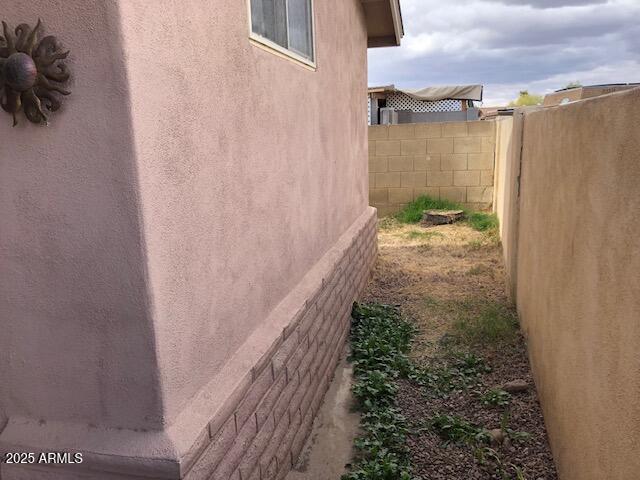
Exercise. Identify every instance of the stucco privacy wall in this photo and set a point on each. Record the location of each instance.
(175, 213)
(506, 190)
(451, 160)
(578, 288)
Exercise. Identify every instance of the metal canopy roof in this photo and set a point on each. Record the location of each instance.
(433, 94)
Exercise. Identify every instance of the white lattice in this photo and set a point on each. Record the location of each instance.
(402, 101)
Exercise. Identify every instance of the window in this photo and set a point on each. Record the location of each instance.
(286, 25)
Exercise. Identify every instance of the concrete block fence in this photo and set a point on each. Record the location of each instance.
(453, 161)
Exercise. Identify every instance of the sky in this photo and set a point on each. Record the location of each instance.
(512, 45)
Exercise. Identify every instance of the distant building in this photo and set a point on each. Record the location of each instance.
(388, 104)
(568, 95)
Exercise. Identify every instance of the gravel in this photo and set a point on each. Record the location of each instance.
(434, 459)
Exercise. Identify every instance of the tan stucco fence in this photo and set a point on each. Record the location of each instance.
(450, 160)
(568, 197)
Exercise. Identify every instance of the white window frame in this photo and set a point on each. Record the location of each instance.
(273, 47)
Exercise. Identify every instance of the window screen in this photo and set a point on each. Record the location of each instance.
(288, 23)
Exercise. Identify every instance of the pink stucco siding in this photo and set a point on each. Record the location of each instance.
(247, 177)
(74, 305)
(160, 234)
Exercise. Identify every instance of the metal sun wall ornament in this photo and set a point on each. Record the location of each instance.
(30, 72)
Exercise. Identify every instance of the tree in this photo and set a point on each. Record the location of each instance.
(575, 84)
(526, 99)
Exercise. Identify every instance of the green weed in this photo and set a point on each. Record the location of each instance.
(481, 322)
(480, 221)
(412, 213)
(383, 465)
(476, 321)
(455, 429)
(459, 371)
(384, 428)
(485, 455)
(483, 222)
(519, 437)
(380, 341)
(377, 385)
(496, 398)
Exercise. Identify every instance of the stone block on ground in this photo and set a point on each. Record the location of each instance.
(441, 217)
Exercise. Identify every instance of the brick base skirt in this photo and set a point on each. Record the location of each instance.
(254, 426)
(264, 436)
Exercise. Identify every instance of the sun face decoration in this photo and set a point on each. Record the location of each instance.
(30, 72)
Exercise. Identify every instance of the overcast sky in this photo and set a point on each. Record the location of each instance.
(512, 45)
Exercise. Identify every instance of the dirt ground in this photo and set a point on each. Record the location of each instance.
(440, 277)
(417, 266)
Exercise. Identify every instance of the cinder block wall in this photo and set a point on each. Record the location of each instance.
(453, 160)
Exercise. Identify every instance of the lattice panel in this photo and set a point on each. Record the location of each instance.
(402, 101)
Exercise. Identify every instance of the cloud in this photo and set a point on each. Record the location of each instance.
(509, 45)
(551, 3)
(502, 94)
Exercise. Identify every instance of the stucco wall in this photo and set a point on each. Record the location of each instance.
(578, 287)
(76, 342)
(185, 193)
(452, 160)
(245, 180)
(506, 190)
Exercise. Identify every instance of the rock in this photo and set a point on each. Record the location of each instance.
(516, 386)
(441, 217)
(507, 444)
(497, 436)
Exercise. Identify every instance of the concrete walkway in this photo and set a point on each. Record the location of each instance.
(330, 445)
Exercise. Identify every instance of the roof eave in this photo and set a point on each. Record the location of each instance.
(384, 22)
(397, 21)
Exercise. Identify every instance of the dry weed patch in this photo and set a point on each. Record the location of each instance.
(463, 418)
